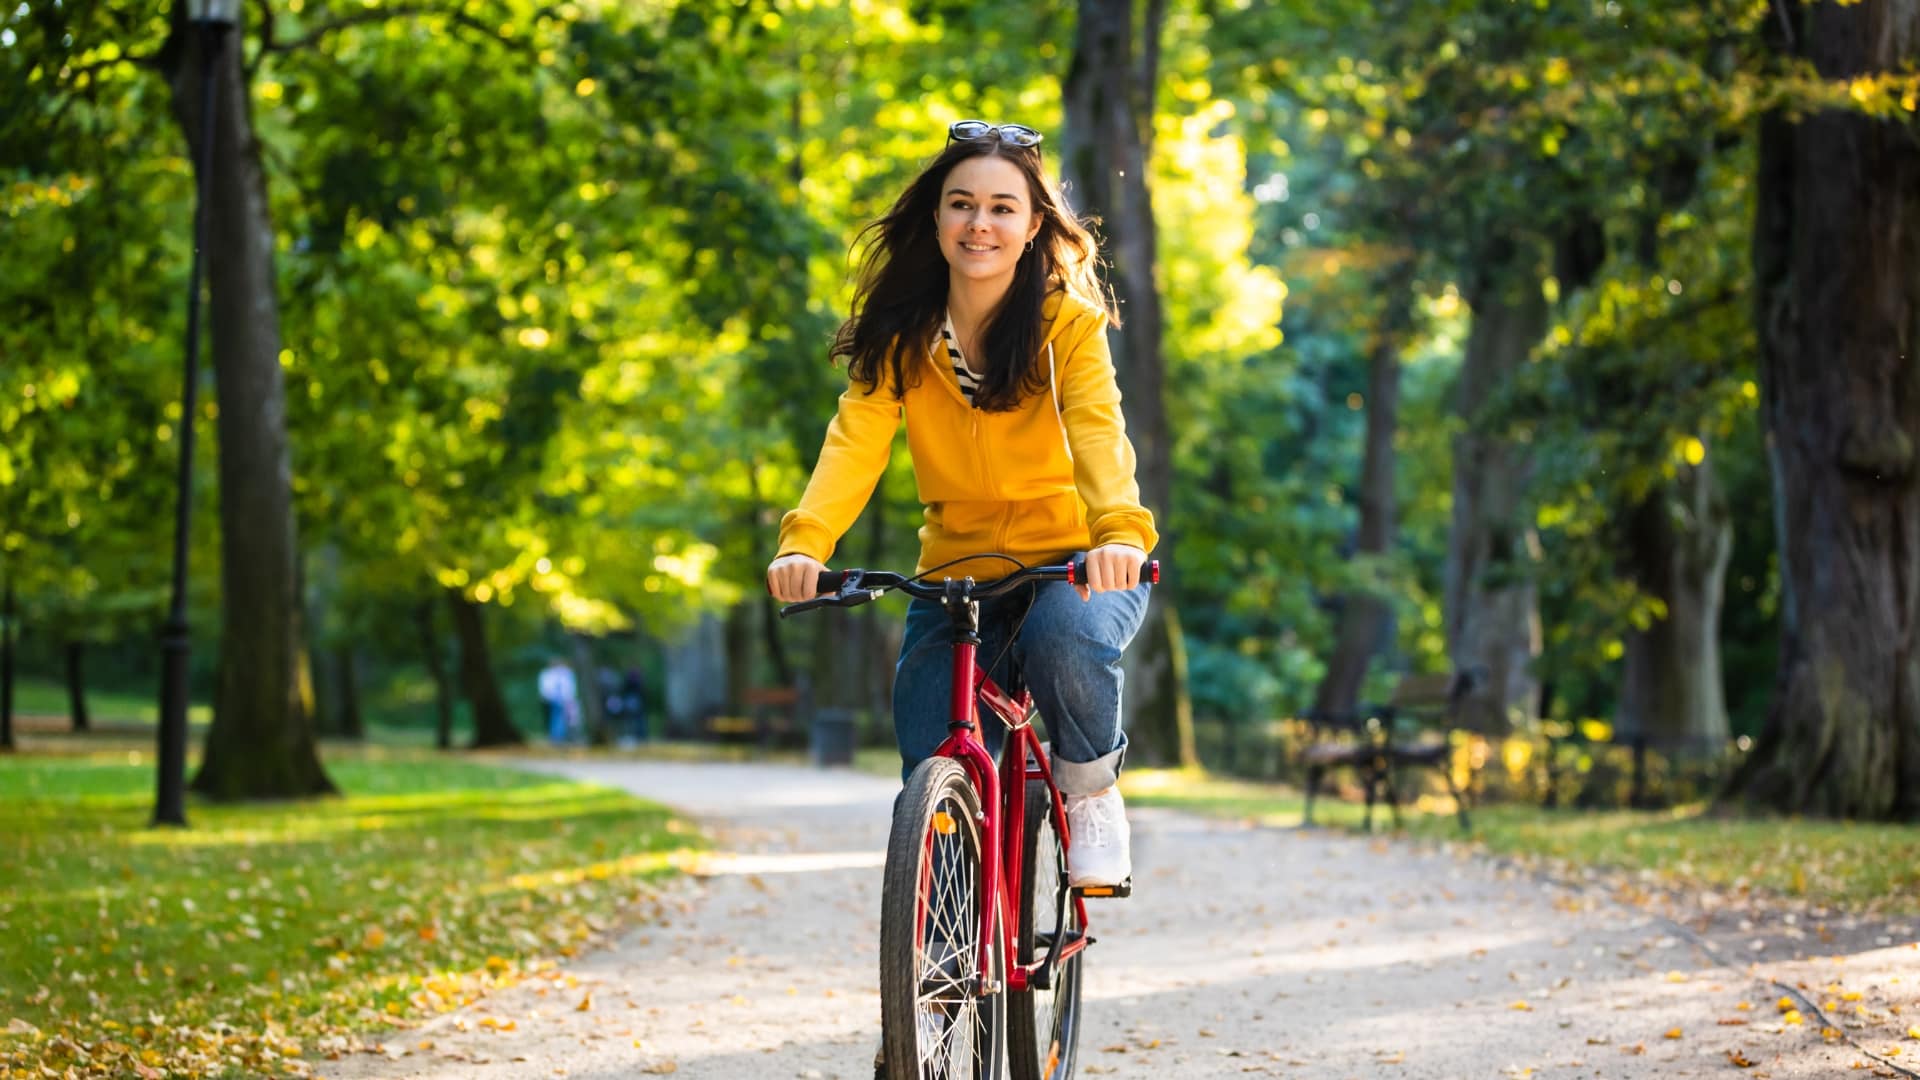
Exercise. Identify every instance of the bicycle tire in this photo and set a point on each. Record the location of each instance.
(930, 1012)
(1043, 1026)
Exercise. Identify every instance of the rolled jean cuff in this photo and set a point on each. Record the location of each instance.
(1088, 777)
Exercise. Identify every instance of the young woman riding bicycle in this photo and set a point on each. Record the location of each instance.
(980, 316)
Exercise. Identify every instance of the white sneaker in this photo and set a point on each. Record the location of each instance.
(1099, 850)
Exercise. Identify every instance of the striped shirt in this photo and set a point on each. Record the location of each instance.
(969, 382)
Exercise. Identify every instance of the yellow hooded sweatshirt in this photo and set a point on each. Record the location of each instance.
(1051, 477)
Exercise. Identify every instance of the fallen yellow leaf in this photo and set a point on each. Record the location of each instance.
(586, 1003)
(1521, 1006)
(1673, 1033)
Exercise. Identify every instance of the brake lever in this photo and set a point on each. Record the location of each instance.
(850, 595)
(807, 605)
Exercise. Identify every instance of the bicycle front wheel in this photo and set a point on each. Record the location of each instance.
(934, 1022)
(1044, 1024)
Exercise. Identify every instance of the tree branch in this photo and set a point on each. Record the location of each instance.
(375, 15)
(266, 34)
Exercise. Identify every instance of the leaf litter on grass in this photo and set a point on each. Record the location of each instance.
(268, 932)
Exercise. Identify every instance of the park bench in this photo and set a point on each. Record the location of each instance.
(1377, 741)
(773, 715)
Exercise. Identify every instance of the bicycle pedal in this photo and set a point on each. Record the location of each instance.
(1105, 892)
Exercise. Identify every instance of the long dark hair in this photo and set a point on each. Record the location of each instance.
(900, 297)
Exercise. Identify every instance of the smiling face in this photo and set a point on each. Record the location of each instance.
(985, 219)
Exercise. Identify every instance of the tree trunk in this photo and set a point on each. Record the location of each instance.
(739, 651)
(1837, 274)
(326, 688)
(1365, 616)
(77, 687)
(1678, 542)
(586, 675)
(769, 612)
(1109, 97)
(261, 744)
(6, 667)
(436, 670)
(335, 663)
(492, 726)
(1492, 607)
(346, 688)
(879, 646)
(700, 671)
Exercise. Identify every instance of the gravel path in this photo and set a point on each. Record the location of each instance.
(1243, 952)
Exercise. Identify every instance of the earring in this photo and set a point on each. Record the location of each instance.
(1029, 245)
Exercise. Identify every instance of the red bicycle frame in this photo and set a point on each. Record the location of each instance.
(1003, 791)
(1003, 802)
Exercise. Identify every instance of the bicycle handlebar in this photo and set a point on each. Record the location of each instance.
(853, 587)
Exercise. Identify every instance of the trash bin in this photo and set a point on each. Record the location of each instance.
(830, 737)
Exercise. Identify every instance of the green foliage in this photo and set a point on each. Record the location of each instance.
(89, 389)
(557, 285)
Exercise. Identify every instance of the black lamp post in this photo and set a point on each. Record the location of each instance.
(210, 20)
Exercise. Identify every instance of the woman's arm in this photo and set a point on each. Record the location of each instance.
(859, 442)
(1103, 458)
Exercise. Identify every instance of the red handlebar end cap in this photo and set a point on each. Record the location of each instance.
(1156, 571)
(1070, 579)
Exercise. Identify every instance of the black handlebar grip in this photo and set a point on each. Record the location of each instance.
(1077, 571)
(830, 581)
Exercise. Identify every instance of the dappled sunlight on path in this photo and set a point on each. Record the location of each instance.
(1244, 952)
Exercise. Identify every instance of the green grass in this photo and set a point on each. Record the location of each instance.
(215, 947)
(46, 697)
(1862, 867)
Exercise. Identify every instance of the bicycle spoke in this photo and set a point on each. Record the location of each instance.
(933, 1014)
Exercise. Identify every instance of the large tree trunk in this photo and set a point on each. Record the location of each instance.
(1678, 542)
(437, 671)
(1365, 616)
(1492, 607)
(261, 744)
(492, 726)
(77, 687)
(1109, 96)
(1837, 270)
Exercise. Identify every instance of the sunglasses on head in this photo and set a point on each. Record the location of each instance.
(1011, 134)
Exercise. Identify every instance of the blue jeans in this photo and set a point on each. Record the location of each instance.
(1069, 651)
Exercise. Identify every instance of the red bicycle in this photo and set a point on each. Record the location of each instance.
(981, 937)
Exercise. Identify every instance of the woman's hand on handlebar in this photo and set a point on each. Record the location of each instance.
(1111, 567)
(793, 578)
